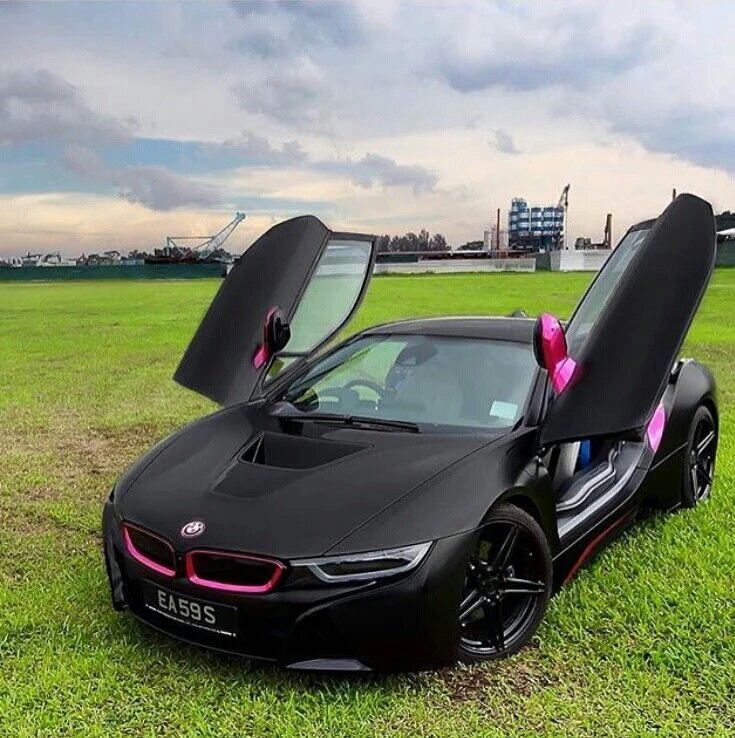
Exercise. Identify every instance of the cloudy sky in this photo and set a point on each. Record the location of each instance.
(120, 123)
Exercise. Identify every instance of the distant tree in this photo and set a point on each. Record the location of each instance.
(421, 241)
(384, 243)
(471, 246)
(438, 243)
(424, 243)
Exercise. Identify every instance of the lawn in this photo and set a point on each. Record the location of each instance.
(641, 643)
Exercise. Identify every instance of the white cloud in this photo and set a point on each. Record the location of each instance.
(294, 94)
(258, 151)
(159, 189)
(503, 142)
(372, 100)
(533, 46)
(373, 168)
(153, 186)
(40, 105)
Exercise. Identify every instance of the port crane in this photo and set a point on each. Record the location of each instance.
(205, 246)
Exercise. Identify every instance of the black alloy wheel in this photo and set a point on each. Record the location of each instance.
(699, 463)
(507, 586)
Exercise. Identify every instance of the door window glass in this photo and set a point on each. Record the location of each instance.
(331, 294)
(602, 288)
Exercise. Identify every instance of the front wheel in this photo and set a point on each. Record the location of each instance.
(507, 586)
(699, 463)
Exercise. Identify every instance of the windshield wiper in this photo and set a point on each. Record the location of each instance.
(357, 421)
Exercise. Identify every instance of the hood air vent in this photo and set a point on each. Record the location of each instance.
(295, 452)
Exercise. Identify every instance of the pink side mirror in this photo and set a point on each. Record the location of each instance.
(276, 333)
(550, 348)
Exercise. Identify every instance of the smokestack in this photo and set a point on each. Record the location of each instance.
(497, 232)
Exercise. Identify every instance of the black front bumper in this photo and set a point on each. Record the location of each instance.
(404, 624)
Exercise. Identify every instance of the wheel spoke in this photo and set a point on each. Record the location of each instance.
(494, 619)
(703, 473)
(469, 604)
(473, 571)
(695, 481)
(516, 585)
(505, 548)
(705, 442)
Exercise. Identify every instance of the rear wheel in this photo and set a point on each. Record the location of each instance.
(699, 463)
(507, 586)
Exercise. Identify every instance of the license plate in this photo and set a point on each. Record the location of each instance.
(211, 616)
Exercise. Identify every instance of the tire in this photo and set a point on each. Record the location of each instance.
(507, 586)
(698, 466)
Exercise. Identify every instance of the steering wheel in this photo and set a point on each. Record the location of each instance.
(374, 386)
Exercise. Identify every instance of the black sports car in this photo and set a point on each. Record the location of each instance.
(414, 495)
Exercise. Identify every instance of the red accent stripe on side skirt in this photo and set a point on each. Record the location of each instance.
(590, 548)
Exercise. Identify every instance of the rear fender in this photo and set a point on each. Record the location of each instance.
(693, 385)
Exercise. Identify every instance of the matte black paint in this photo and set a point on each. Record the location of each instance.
(448, 499)
(625, 360)
(391, 489)
(272, 273)
(406, 623)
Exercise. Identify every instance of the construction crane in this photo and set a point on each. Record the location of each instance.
(564, 202)
(206, 245)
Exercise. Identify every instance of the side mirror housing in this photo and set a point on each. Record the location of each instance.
(550, 349)
(276, 334)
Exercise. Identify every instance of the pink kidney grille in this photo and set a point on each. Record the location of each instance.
(655, 428)
(149, 549)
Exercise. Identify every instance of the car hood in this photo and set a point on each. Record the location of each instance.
(283, 505)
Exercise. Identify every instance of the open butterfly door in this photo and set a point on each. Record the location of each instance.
(626, 333)
(287, 295)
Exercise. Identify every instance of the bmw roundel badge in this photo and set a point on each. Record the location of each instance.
(193, 529)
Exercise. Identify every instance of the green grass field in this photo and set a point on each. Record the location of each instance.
(641, 643)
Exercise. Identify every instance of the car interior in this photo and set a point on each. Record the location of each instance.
(469, 383)
(589, 475)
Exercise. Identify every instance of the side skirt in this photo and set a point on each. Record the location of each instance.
(575, 561)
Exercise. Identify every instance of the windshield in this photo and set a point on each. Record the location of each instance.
(602, 288)
(470, 383)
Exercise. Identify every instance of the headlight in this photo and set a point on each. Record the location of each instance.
(366, 566)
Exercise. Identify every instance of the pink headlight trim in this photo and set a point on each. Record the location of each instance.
(194, 578)
(140, 557)
(655, 428)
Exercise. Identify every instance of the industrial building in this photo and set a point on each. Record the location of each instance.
(535, 228)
